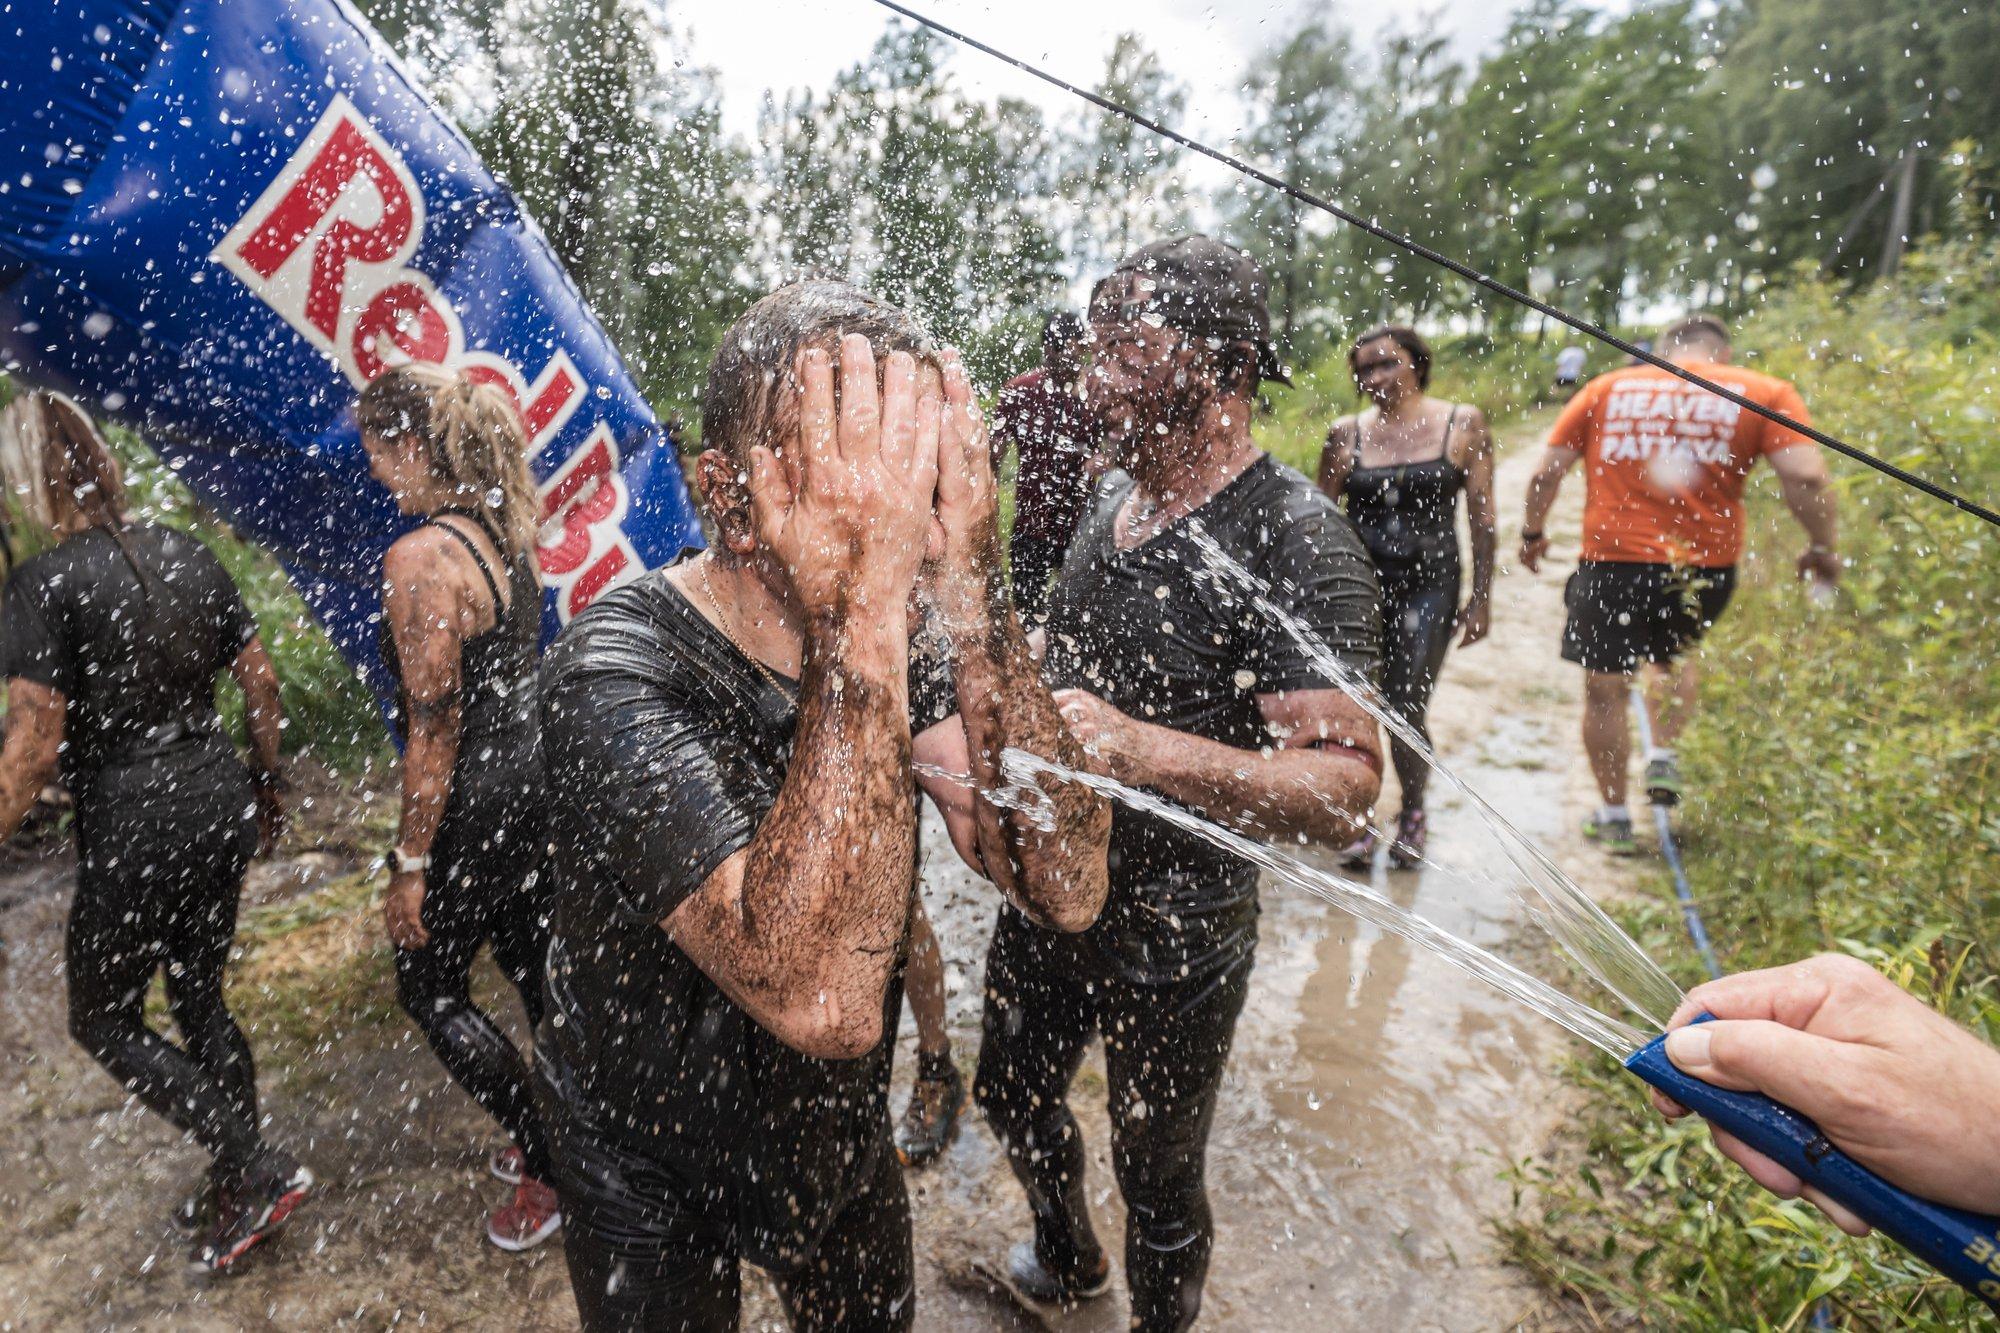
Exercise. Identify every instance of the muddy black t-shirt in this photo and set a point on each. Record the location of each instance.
(1164, 636)
(135, 657)
(664, 749)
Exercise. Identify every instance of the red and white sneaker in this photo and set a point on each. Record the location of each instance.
(251, 1210)
(505, 1165)
(526, 1220)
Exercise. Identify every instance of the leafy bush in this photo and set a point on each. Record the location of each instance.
(1843, 773)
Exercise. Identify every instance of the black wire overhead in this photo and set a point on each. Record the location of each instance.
(1463, 270)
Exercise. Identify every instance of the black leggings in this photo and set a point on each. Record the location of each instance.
(485, 884)
(643, 1255)
(1418, 615)
(1165, 1046)
(158, 891)
(1033, 560)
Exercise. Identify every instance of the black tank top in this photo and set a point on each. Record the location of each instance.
(1407, 513)
(499, 721)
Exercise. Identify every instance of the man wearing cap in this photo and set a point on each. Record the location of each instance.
(1182, 684)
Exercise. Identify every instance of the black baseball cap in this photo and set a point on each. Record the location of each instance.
(1208, 289)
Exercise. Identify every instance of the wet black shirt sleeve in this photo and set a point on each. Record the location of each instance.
(31, 648)
(1317, 572)
(668, 781)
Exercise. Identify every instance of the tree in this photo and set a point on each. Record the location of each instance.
(1851, 106)
(896, 180)
(1304, 115)
(612, 141)
(1122, 183)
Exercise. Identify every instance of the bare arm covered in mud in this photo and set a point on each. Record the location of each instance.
(28, 760)
(801, 927)
(1056, 875)
(431, 616)
(1317, 779)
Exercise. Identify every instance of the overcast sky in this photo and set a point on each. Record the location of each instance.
(760, 45)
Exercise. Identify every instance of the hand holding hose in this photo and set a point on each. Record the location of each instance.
(1897, 1086)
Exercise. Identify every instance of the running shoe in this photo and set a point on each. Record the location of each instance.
(931, 1118)
(505, 1165)
(197, 1210)
(1412, 832)
(1663, 781)
(1613, 835)
(1026, 1275)
(527, 1219)
(251, 1210)
(1360, 854)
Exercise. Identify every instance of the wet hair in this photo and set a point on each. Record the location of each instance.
(472, 436)
(56, 467)
(751, 396)
(1693, 331)
(1404, 337)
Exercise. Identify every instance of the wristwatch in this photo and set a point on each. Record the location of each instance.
(405, 864)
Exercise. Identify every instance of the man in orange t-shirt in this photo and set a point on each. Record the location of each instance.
(1666, 462)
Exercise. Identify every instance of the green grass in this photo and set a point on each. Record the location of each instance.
(1844, 769)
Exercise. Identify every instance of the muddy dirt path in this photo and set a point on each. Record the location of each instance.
(1373, 1097)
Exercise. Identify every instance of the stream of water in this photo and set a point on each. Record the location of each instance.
(1558, 905)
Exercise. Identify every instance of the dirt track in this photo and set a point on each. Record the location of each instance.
(1373, 1094)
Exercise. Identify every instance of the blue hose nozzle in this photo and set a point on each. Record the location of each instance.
(1963, 1246)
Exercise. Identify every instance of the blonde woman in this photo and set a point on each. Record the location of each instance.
(462, 609)
(113, 635)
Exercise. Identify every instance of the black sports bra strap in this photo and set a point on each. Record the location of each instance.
(1450, 422)
(478, 558)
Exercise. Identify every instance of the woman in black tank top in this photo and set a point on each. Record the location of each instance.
(1399, 469)
(461, 625)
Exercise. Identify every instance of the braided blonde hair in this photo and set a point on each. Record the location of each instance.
(472, 440)
(56, 469)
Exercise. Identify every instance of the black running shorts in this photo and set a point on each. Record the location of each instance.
(1623, 613)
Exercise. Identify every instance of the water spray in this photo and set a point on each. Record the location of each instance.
(1963, 1246)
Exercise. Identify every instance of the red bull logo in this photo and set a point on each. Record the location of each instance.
(326, 247)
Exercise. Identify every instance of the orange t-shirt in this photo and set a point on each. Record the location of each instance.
(1665, 461)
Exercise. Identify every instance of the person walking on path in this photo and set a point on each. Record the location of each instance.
(730, 745)
(462, 614)
(1178, 683)
(1045, 416)
(1400, 467)
(111, 641)
(1665, 467)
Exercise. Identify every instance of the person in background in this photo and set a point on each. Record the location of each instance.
(1891, 1082)
(1569, 369)
(1400, 467)
(1045, 416)
(1178, 682)
(1665, 467)
(735, 745)
(111, 641)
(461, 625)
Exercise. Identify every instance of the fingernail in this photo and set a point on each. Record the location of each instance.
(1688, 1047)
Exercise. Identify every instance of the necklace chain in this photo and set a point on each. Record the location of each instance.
(722, 620)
